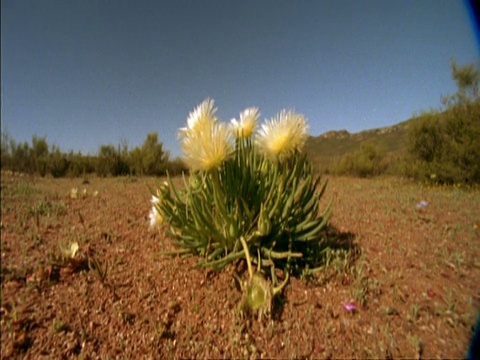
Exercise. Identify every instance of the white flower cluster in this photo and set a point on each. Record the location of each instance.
(206, 143)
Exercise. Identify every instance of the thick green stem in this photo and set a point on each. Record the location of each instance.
(279, 288)
(173, 252)
(247, 256)
(281, 255)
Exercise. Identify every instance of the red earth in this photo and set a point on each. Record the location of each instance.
(402, 282)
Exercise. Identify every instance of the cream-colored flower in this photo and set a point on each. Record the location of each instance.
(156, 218)
(244, 127)
(283, 135)
(202, 117)
(207, 148)
(70, 251)
(74, 193)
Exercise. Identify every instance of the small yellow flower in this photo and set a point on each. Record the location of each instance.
(202, 117)
(282, 136)
(207, 148)
(244, 127)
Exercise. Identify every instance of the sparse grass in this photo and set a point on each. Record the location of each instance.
(47, 208)
(99, 269)
(18, 189)
(59, 326)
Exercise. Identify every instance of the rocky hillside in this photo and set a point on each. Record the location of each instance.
(330, 146)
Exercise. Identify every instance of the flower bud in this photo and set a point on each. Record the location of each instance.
(264, 223)
(232, 232)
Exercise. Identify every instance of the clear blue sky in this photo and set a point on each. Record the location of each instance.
(90, 72)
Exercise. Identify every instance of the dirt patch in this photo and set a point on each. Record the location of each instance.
(412, 274)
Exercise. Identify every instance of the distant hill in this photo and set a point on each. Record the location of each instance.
(330, 146)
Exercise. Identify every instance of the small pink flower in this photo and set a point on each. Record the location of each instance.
(350, 306)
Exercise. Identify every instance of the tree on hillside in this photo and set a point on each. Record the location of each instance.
(426, 138)
(6, 154)
(444, 145)
(467, 79)
(39, 154)
(58, 162)
(20, 156)
(107, 156)
(363, 162)
(135, 161)
(153, 158)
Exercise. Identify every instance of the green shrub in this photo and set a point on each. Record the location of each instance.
(364, 162)
(59, 165)
(445, 147)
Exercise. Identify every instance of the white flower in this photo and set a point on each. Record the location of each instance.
(283, 135)
(203, 116)
(71, 251)
(156, 218)
(207, 148)
(244, 127)
(74, 193)
(205, 142)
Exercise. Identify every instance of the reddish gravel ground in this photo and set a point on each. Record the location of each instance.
(411, 272)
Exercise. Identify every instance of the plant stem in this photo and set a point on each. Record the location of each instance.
(247, 256)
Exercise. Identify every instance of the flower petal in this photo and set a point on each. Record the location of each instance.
(245, 126)
(349, 306)
(207, 148)
(283, 135)
(203, 116)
